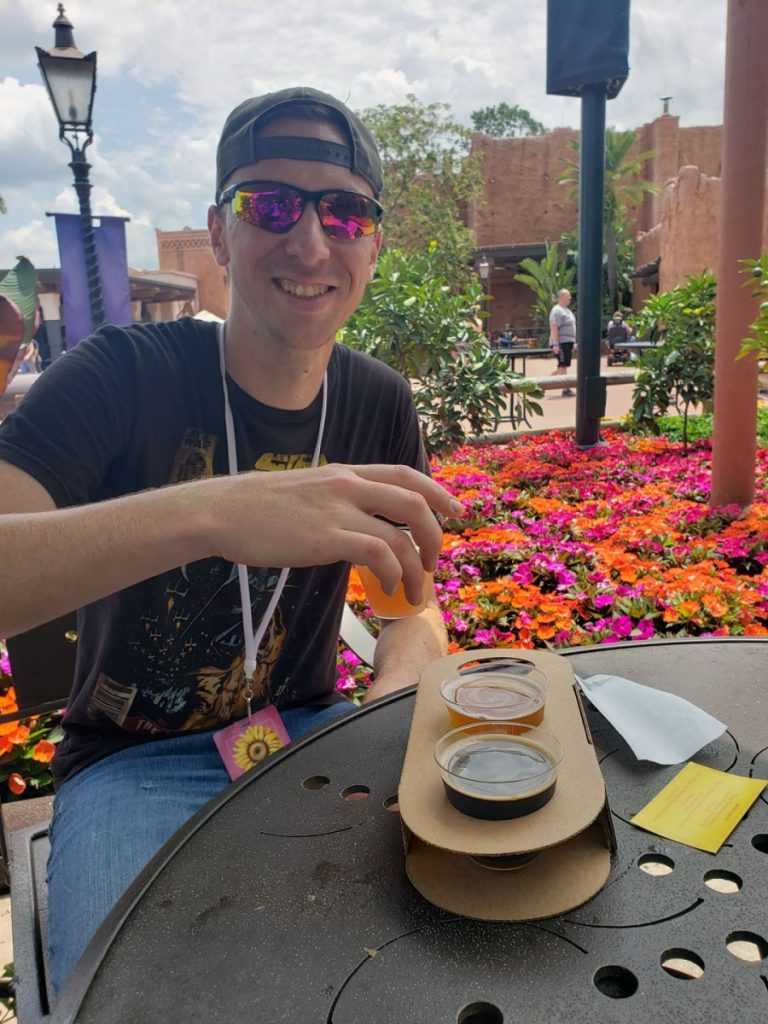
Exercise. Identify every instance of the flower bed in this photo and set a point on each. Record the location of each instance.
(561, 548)
(26, 745)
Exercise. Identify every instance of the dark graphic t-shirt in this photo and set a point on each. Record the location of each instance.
(134, 408)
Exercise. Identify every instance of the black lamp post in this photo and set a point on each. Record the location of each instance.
(484, 272)
(70, 78)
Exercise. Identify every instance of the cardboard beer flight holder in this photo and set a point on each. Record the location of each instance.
(572, 835)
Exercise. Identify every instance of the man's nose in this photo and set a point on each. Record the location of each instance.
(306, 239)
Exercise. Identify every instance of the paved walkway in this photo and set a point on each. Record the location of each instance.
(558, 410)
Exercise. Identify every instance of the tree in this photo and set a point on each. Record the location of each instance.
(757, 342)
(429, 177)
(505, 122)
(546, 278)
(680, 371)
(2, 205)
(623, 187)
(411, 319)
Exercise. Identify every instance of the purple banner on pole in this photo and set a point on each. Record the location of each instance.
(113, 269)
(113, 264)
(75, 307)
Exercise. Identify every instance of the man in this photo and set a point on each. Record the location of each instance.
(176, 637)
(562, 333)
(620, 332)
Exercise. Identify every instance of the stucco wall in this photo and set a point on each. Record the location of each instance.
(690, 221)
(521, 200)
(190, 250)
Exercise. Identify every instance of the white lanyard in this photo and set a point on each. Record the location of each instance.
(253, 638)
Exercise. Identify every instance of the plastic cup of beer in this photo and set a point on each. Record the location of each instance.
(498, 770)
(390, 606)
(500, 689)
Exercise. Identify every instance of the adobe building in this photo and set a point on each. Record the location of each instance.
(189, 251)
(522, 206)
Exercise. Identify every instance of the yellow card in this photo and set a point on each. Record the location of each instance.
(700, 807)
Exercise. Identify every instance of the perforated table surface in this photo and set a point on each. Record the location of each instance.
(286, 899)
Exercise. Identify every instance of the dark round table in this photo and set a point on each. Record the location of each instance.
(285, 899)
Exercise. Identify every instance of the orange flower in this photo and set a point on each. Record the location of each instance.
(19, 735)
(715, 605)
(689, 608)
(43, 751)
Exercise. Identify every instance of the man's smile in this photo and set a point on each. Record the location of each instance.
(303, 291)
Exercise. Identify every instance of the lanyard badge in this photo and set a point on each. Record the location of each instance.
(244, 744)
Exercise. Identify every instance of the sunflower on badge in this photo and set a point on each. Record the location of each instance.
(254, 744)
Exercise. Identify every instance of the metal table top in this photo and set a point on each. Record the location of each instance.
(285, 899)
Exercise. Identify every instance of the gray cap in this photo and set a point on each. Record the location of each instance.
(240, 145)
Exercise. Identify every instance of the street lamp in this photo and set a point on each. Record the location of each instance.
(70, 78)
(484, 270)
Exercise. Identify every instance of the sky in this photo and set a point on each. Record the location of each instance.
(169, 72)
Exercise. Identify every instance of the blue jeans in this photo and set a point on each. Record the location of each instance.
(111, 818)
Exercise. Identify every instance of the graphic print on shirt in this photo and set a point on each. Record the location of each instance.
(186, 665)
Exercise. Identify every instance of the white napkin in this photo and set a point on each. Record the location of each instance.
(658, 726)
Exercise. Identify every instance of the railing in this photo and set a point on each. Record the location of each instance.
(552, 383)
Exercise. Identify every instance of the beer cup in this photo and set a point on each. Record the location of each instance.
(501, 689)
(498, 770)
(390, 606)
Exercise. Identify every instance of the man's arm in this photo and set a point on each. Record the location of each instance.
(406, 646)
(55, 560)
(554, 331)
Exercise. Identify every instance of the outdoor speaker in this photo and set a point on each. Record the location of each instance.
(587, 44)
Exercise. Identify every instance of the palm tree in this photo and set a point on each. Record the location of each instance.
(623, 187)
(545, 278)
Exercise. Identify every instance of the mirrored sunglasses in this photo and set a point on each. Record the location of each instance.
(275, 207)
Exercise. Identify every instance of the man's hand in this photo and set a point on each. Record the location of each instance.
(66, 558)
(320, 516)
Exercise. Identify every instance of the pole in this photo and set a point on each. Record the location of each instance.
(80, 168)
(742, 203)
(590, 387)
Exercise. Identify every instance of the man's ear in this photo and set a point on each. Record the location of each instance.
(218, 236)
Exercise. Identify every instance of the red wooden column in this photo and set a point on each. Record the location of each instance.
(742, 201)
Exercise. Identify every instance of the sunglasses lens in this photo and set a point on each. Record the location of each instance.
(347, 215)
(275, 210)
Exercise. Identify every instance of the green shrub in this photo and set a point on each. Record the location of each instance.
(680, 372)
(700, 428)
(411, 320)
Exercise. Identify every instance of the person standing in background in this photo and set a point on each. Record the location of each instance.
(562, 334)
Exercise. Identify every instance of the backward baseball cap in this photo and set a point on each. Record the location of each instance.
(240, 143)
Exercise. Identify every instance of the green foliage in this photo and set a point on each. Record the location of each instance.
(758, 278)
(624, 186)
(20, 286)
(545, 278)
(411, 319)
(699, 428)
(3, 208)
(681, 370)
(429, 177)
(7, 998)
(505, 122)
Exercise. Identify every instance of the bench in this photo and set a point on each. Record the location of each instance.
(564, 380)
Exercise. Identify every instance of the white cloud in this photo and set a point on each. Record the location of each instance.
(36, 241)
(169, 72)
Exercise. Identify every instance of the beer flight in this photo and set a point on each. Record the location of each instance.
(497, 762)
